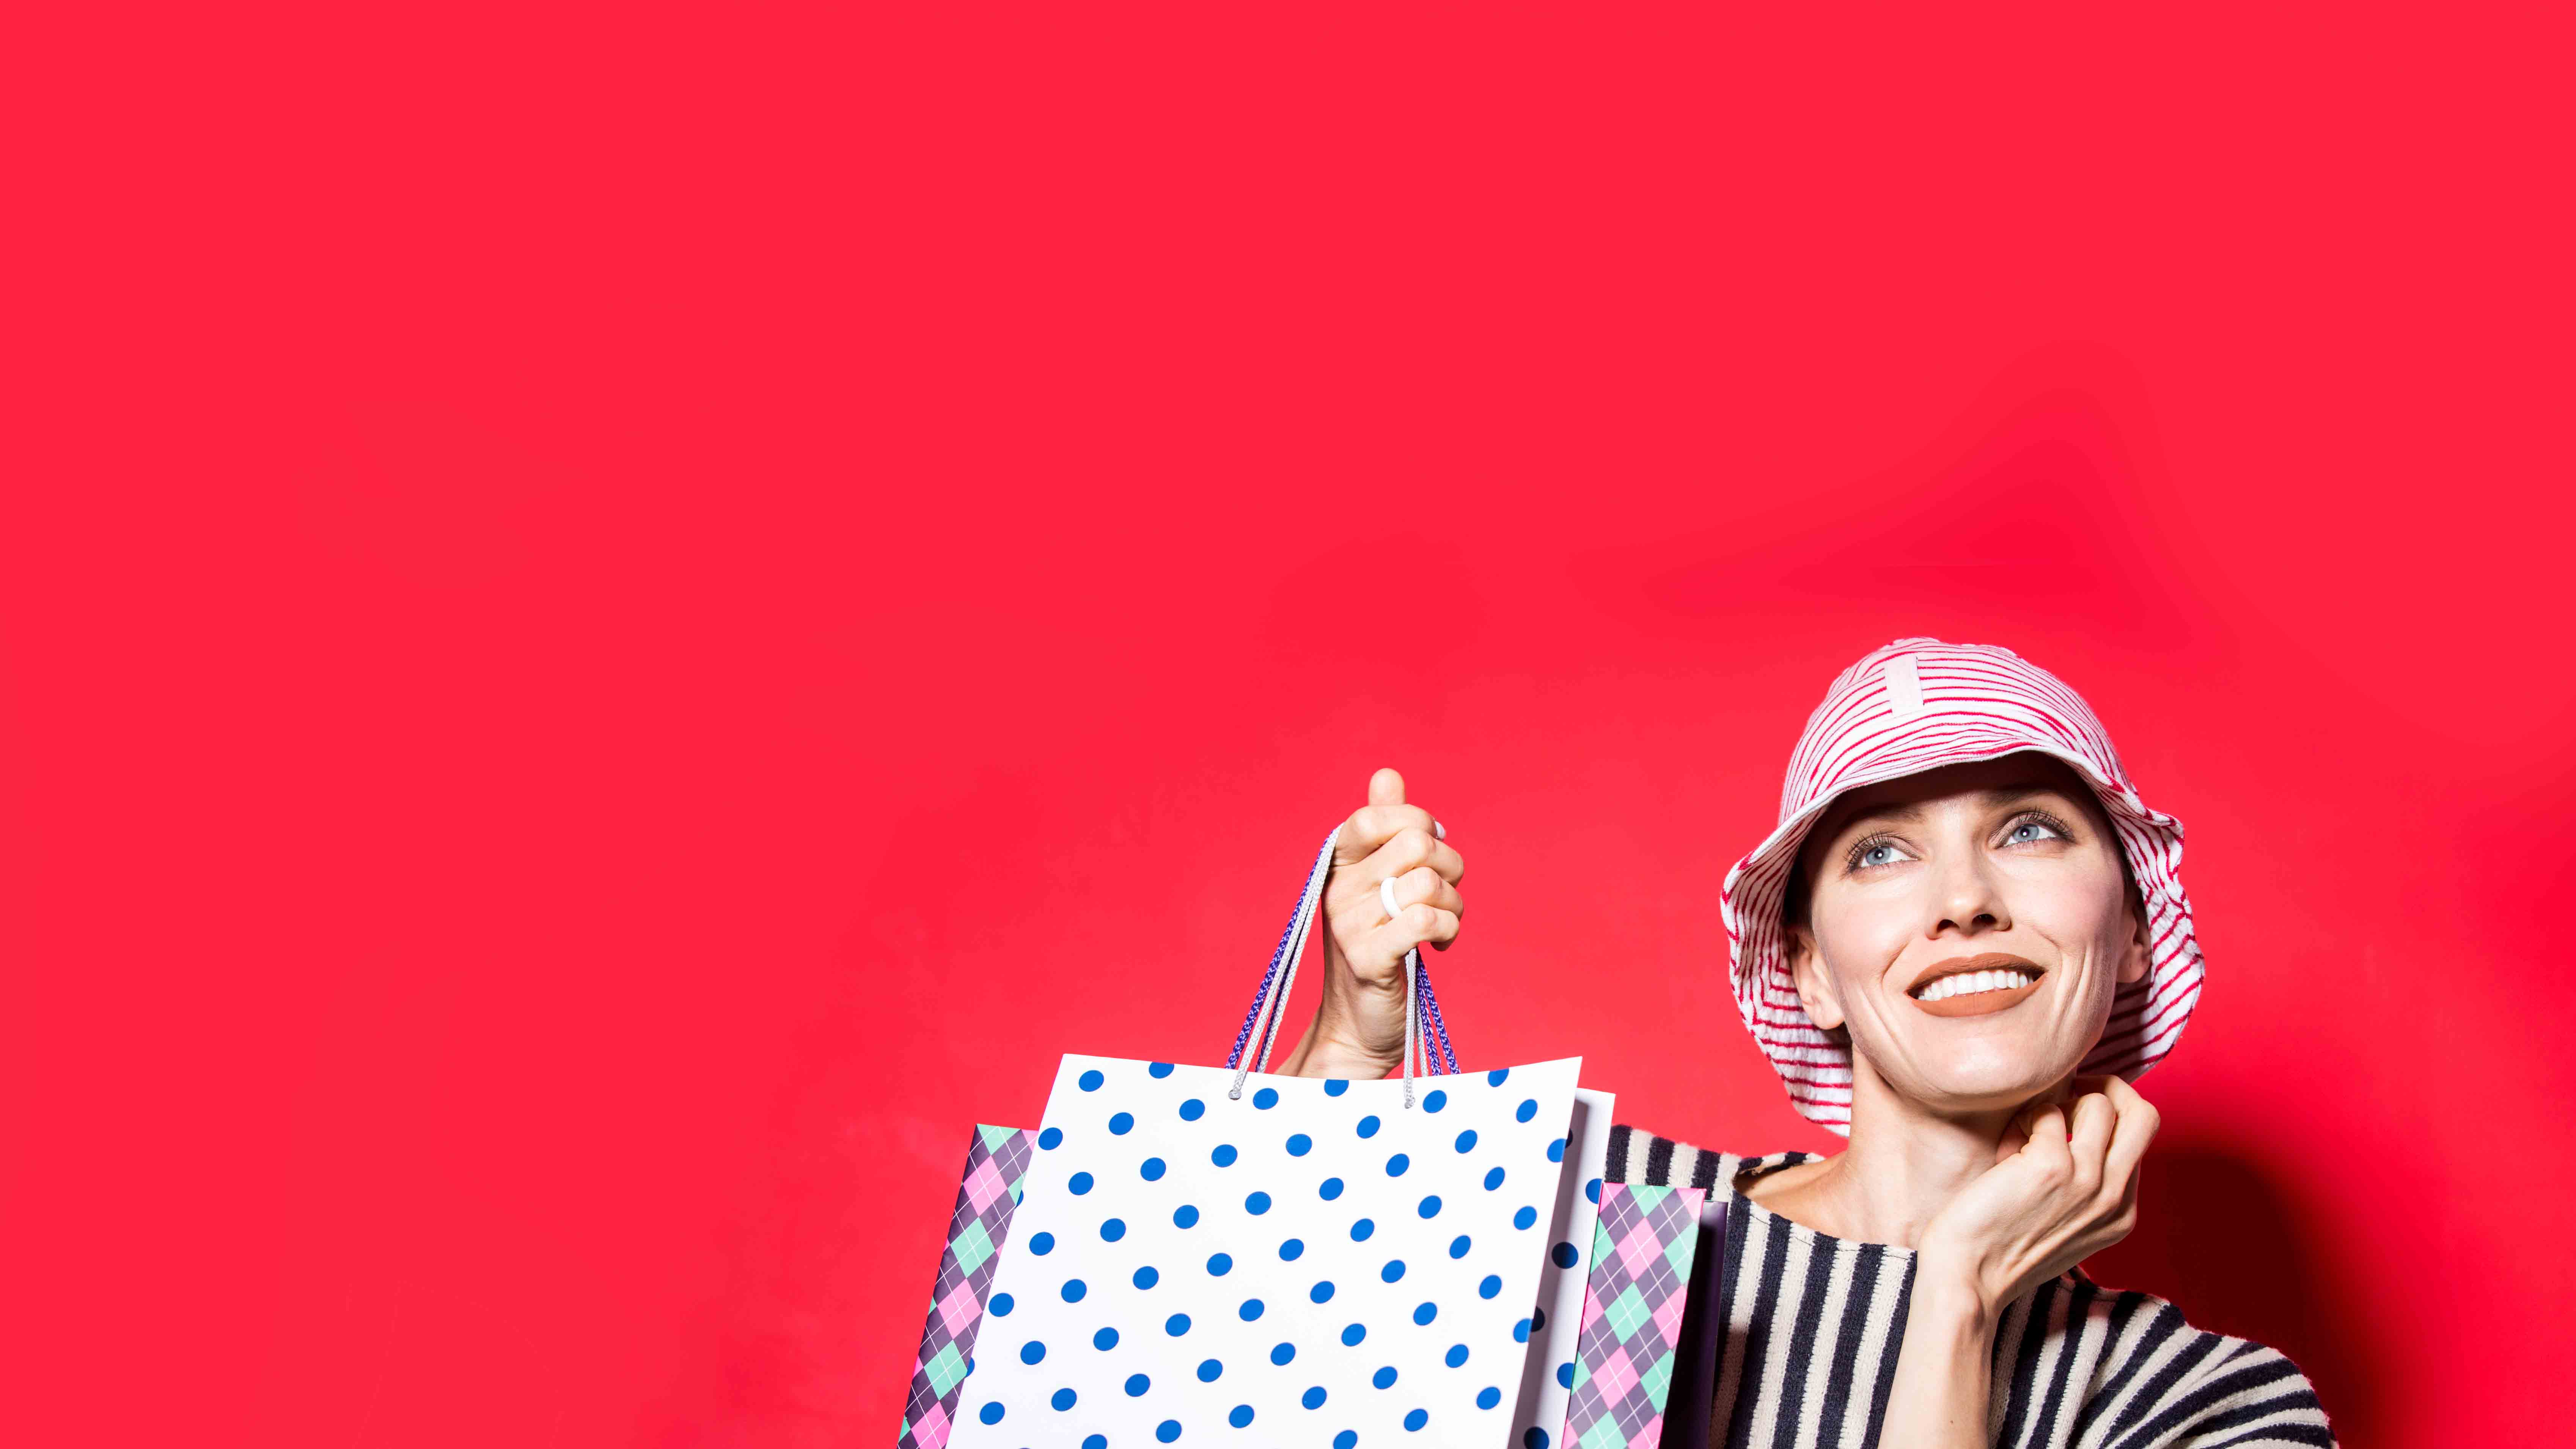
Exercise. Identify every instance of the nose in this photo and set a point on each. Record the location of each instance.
(1967, 900)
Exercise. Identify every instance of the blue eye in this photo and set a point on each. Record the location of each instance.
(1883, 853)
(2044, 829)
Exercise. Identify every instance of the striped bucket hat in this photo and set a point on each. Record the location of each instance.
(1913, 706)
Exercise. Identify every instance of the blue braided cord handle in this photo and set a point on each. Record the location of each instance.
(1434, 1027)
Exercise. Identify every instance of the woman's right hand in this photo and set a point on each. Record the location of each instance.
(1358, 1030)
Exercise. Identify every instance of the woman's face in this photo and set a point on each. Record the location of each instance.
(1969, 925)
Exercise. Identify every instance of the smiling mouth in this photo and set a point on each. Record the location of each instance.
(1976, 985)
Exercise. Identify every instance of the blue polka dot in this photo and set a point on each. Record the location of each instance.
(1322, 1292)
(1521, 1331)
(1193, 1109)
(1565, 1376)
(1457, 1354)
(1345, 1440)
(1158, 1070)
(1429, 1207)
(1209, 1369)
(1368, 1126)
(1488, 1396)
(1146, 1277)
(1416, 1420)
(1219, 1265)
(1032, 1351)
(1393, 1270)
(1495, 1077)
(1168, 1430)
(1556, 1150)
(1250, 1310)
(1137, 1384)
(1185, 1216)
(1352, 1335)
(991, 1413)
(1224, 1155)
(1112, 1229)
(1592, 1191)
(1493, 1179)
(1002, 1305)
(1423, 1313)
(1122, 1124)
(1360, 1230)
(1063, 1400)
(1437, 1100)
(1396, 1165)
(1538, 1319)
(1467, 1140)
(1384, 1378)
(1078, 1184)
(1299, 1144)
(1534, 1438)
(1526, 1110)
(1335, 1086)
(1239, 1415)
(1151, 1169)
(1105, 1340)
(1091, 1081)
(1492, 1285)
(1177, 1324)
(1042, 1244)
(1564, 1255)
(1525, 1217)
(1330, 1189)
(1291, 1250)
(1283, 1353)
(1313, 1398)
(1265, 1099)
(1074, 1288)
(1096, 1441)
(1050, 1139)
(1257, 1204)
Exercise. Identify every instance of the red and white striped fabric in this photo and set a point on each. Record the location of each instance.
(1913, 706)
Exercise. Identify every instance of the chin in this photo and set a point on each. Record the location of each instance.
(1976, 1082)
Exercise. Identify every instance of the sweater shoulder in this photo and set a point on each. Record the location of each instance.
(2160, 1381)
(1641, 1158)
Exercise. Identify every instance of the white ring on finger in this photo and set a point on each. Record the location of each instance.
(1386, 898)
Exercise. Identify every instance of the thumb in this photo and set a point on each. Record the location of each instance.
(1386, 787)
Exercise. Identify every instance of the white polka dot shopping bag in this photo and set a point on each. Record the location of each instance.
(1205, 1256)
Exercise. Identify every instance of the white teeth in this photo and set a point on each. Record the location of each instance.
(1969, 982)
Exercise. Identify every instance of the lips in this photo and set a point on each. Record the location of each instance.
(1976, 1002)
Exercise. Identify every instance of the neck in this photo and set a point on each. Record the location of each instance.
(1905, 1163)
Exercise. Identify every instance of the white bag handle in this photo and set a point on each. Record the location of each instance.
(1423, 1028)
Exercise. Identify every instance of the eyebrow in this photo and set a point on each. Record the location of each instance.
(1997, 795)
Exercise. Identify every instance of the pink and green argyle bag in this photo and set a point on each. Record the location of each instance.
(995, 1162)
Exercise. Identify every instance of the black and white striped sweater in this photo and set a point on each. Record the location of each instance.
(1812, 1324)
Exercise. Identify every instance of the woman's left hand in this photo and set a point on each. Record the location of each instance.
(2064, 1186)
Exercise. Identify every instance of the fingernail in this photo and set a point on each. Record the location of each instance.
(1437, 832)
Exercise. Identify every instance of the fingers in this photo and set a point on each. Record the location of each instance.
(1424, 886)
(1385, 818)
(2089, 1141)
(2137, 1120)
(1386, 787)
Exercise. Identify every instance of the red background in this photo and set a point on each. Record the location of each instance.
(613, 625)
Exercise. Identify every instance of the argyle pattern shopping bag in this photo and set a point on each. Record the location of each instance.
(996, 1161)
(1642, 1247)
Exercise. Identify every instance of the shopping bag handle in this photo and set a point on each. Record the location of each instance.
(1424, 1031)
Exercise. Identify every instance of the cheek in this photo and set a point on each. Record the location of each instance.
(1860, 940)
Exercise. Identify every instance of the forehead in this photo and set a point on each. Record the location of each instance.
(1999, 780)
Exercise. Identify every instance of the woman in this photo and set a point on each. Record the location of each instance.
(1964, 939)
